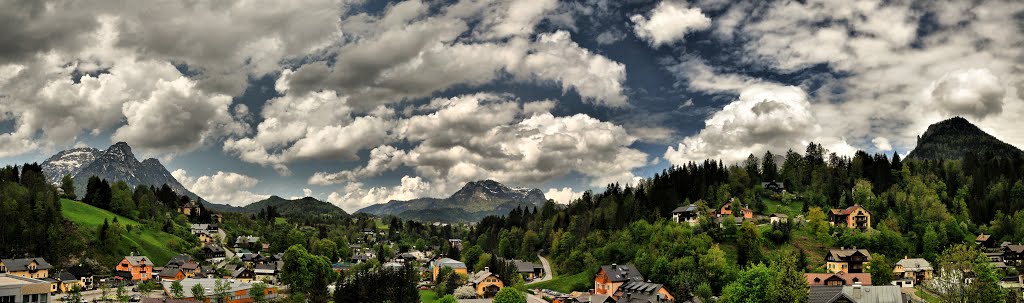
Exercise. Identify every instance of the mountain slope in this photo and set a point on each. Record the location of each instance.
(953, 138)
(470, 204)
(116, 163)
(302, 206)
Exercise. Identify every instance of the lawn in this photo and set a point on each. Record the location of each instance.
(141, 240)
(928, 297)
(792, 209)
(566, 284)
(428, 296)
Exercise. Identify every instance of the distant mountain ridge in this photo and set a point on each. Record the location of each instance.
(954, 137)
(306, 205)
(473, 202)
(116, 163)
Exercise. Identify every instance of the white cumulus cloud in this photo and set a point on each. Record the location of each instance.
(669, 22)
(223, 187)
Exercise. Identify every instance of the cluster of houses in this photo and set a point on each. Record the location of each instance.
(486, 283)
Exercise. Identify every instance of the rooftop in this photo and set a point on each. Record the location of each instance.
(10, 280)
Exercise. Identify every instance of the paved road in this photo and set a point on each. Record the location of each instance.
(547, 270)
(531, 298)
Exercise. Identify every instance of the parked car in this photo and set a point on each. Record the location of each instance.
(135, 298)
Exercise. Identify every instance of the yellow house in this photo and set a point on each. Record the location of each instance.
(487, 284)
(456, 266)
(68, 282)
(847, 260)
(915, 269)
(35, 268)
(852, 217)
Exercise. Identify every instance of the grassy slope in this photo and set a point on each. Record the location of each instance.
(428, 296)
(151, 243)
(566, 284)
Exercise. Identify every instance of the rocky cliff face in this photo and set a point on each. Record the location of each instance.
(116, 163)
(474, 201)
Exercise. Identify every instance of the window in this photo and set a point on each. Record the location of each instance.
(7, 299)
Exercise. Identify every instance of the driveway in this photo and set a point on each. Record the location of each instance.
(547, 270)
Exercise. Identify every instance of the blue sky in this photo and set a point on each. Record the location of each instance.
(360, 102)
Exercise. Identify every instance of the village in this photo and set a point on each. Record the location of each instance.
(241, 270)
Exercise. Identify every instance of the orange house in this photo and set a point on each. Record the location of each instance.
(140, 267)
(610, 277)
(852, 217)
(726, 210)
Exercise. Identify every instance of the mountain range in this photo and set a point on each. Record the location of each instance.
(116, 163)
(301, 206)
(473, 202)
(954, 137)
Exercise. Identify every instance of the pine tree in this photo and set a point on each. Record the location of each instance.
(68, 186)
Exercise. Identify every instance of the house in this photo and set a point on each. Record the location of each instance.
(83, 274)
(242, 274)
(840, 279)
(774, 186)
(528, 270)
(778, 218)
(360, 258)
(689, 214)
(139, 267)
(727, 210)
(848, 260)
(54, 284)
(238, 292)
(610, 277)
(178, 261)
(34, 268)
(267, 272)
(213, 252)
(455, 243)
(171, 274)
(189, 208)
(722, 221)
(856, 294)
(68, 282)
(1013, 254)
(18, 289)
(456, 266)
(486, 284)
(642, 292)
(984, 240)
(191, 269)
(248, 242)
(915, 270)
(852, 217)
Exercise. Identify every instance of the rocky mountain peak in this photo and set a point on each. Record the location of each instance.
(116, 163)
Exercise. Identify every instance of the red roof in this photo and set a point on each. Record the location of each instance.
(848, 278)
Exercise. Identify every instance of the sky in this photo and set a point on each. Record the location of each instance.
(361, 102)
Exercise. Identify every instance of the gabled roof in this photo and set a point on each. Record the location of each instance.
(213, 248)
(448, 262)
(685, 209)
(179, 260)
(622, 273)
(240, 272)
(138, 260)
(1015, 248)
(914, 264)
(850, 210)
(779, 215)
(640, 287)
(22, 264)
(524, 266)
(170, 272)
(847, 278)
(844, 253)
(190, 265)
(480, 276)
(825, 294)
(66, 276)
(80, 271)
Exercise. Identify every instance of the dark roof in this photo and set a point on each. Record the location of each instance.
(524, 266)
(639, 292)
(685, 209)
(66, 276)
(80, 271)
(179, 260)
(824, 294)
(621, 273)
(213, 248)
(22, 264)
(843, 253)
(1016, 248)
(170, 272)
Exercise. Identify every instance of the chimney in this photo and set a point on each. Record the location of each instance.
(614, 266)
(487, 268)
(856, 290)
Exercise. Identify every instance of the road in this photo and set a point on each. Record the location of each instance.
(547, 270)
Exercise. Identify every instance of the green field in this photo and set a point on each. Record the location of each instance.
(141, 240)
(566, 284)
(428, 296)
